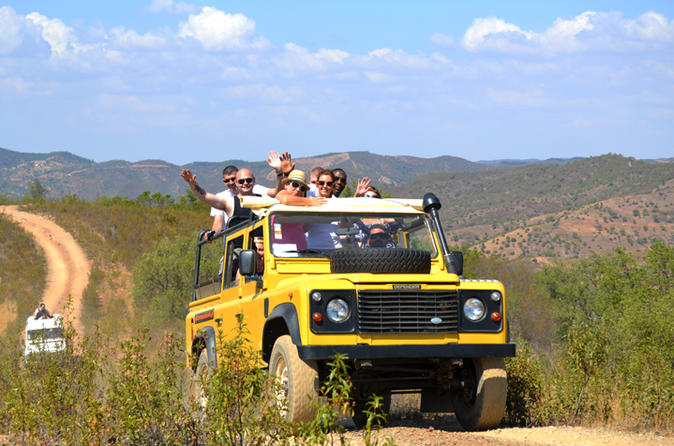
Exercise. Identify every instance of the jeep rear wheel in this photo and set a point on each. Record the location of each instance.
(381, 261)
(297, 380)
(481, 401)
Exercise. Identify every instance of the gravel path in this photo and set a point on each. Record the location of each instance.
(67, 265)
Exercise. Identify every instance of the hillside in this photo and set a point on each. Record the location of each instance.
(621, 200)
(65, 174)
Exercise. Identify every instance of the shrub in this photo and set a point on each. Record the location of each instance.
(525, 380)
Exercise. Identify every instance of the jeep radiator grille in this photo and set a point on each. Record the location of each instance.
(394, 311)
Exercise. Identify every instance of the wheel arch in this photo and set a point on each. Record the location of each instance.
(205, 339)
(282, 320)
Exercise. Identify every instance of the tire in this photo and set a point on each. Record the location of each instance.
(298, 380)
(196, 393)
(480, 404)
(359, 417)
(381, 261)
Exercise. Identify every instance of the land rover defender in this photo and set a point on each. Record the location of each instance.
(312, 281)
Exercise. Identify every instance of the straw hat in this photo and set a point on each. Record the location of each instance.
(296, 175)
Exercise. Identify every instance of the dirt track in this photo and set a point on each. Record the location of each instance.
(432, 433)
(67, 266)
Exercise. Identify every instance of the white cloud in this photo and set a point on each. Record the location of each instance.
(442, 39)
(218, 30)
(296, 57)
(60, 37)
(11, 30)
(587, 31)
(650, 25)
(124, 38)
(171, 7)
(493, 33)
(397, 58)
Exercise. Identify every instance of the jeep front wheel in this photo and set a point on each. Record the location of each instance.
(196, 393)
(480, 402)
(297, 380)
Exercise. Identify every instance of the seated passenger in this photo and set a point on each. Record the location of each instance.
(322, 236)
(379, 237)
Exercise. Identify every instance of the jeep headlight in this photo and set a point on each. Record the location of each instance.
(337, 310)
(474, 309)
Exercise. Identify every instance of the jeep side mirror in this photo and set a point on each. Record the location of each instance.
(247, 262)
(456, 262)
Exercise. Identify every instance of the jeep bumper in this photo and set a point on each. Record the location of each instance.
(317, 352)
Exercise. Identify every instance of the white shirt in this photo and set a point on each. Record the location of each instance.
(257, 189)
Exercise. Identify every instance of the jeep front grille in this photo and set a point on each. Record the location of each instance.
(394, 311)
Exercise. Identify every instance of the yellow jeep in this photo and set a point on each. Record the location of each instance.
(312, 281)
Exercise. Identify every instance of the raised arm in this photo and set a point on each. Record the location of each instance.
(285, 197)
(363, 184)
(282, 164)
(224, 204)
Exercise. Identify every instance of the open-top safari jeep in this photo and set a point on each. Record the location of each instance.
(313, 281)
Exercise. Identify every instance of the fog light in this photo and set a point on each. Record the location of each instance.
(495, 296)
(316, 296)
(317, 317)
(496, 317)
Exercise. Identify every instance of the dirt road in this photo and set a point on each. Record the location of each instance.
(448, 432)
(67, 266)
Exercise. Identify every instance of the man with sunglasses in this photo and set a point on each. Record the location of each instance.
(340, 181)
(229, 178)
(245, 184)
(379, 237)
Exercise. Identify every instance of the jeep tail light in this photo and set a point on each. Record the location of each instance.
(317, 317)
(496, 317)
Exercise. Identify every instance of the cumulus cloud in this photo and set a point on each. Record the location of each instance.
(587, 31)
(217, 30)
(60, 37)
(171, 7)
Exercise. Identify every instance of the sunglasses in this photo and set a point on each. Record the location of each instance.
(379, 235)
(228, 180)
(325, 183)
(245, 180)
(340, 180)
(299, 186)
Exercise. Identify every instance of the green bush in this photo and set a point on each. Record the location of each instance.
(525, 381)
(615, 359)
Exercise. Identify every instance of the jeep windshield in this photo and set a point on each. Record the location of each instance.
(318, 234)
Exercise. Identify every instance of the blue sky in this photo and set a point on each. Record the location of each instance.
(184, 81)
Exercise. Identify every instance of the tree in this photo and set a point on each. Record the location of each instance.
(36, 191)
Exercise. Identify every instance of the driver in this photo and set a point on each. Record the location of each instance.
(379, 237)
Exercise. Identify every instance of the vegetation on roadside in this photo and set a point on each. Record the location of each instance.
(101, 391)
(610, 355)
(594, 343)
(22, 274)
